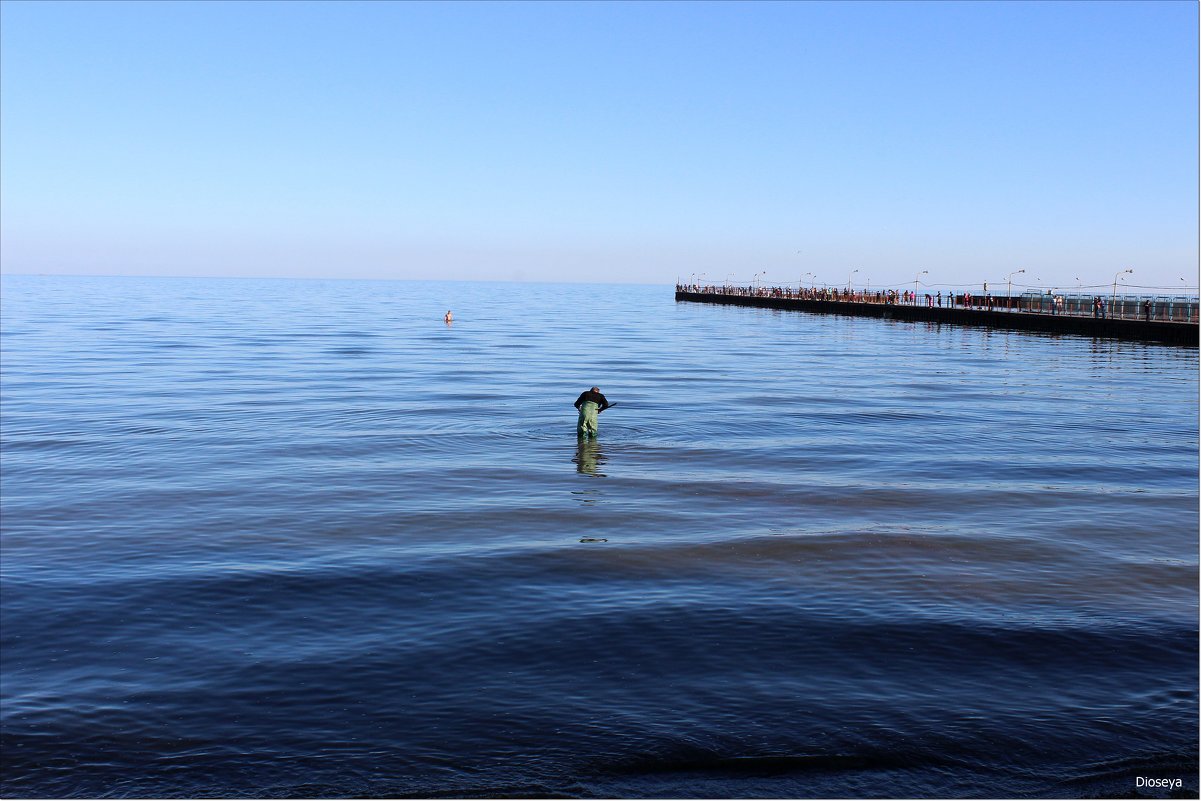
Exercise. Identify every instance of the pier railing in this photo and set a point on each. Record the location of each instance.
(1151, 308)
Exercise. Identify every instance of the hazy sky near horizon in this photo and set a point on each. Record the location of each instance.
(623, 142)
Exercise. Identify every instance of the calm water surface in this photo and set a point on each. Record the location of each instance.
(302, 538)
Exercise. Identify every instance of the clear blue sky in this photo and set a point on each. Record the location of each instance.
(624, 142)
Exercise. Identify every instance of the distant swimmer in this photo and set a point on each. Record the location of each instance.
(590, 403)
(450, 318)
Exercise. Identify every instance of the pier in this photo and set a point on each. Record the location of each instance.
(1171, 320)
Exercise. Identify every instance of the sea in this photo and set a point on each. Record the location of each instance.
(304, 538)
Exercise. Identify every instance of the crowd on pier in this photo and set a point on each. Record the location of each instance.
(847, 295)
(1181, 309)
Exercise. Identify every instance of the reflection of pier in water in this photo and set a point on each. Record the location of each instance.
(1019, 313)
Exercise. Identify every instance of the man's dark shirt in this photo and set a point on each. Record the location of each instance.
(595, 397)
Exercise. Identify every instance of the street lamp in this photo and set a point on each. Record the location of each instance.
(915, 279)
(849, 279)
(1115, 283)
(1009, 292)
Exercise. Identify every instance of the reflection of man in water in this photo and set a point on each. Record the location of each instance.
(588, 457)
(590, 403)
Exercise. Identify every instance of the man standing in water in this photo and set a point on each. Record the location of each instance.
(590, 403)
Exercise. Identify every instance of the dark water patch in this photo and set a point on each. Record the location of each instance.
(17, 445)
(350, 351)
(701, 763)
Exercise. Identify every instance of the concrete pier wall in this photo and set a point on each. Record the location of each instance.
(1154, 331)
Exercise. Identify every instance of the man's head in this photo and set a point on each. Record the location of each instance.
(596, 389)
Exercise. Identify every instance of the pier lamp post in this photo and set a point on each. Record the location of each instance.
(701, 278)
(728, 277)
(1115, 284)
(1009, 292)
(849, 279)
(915, 280)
